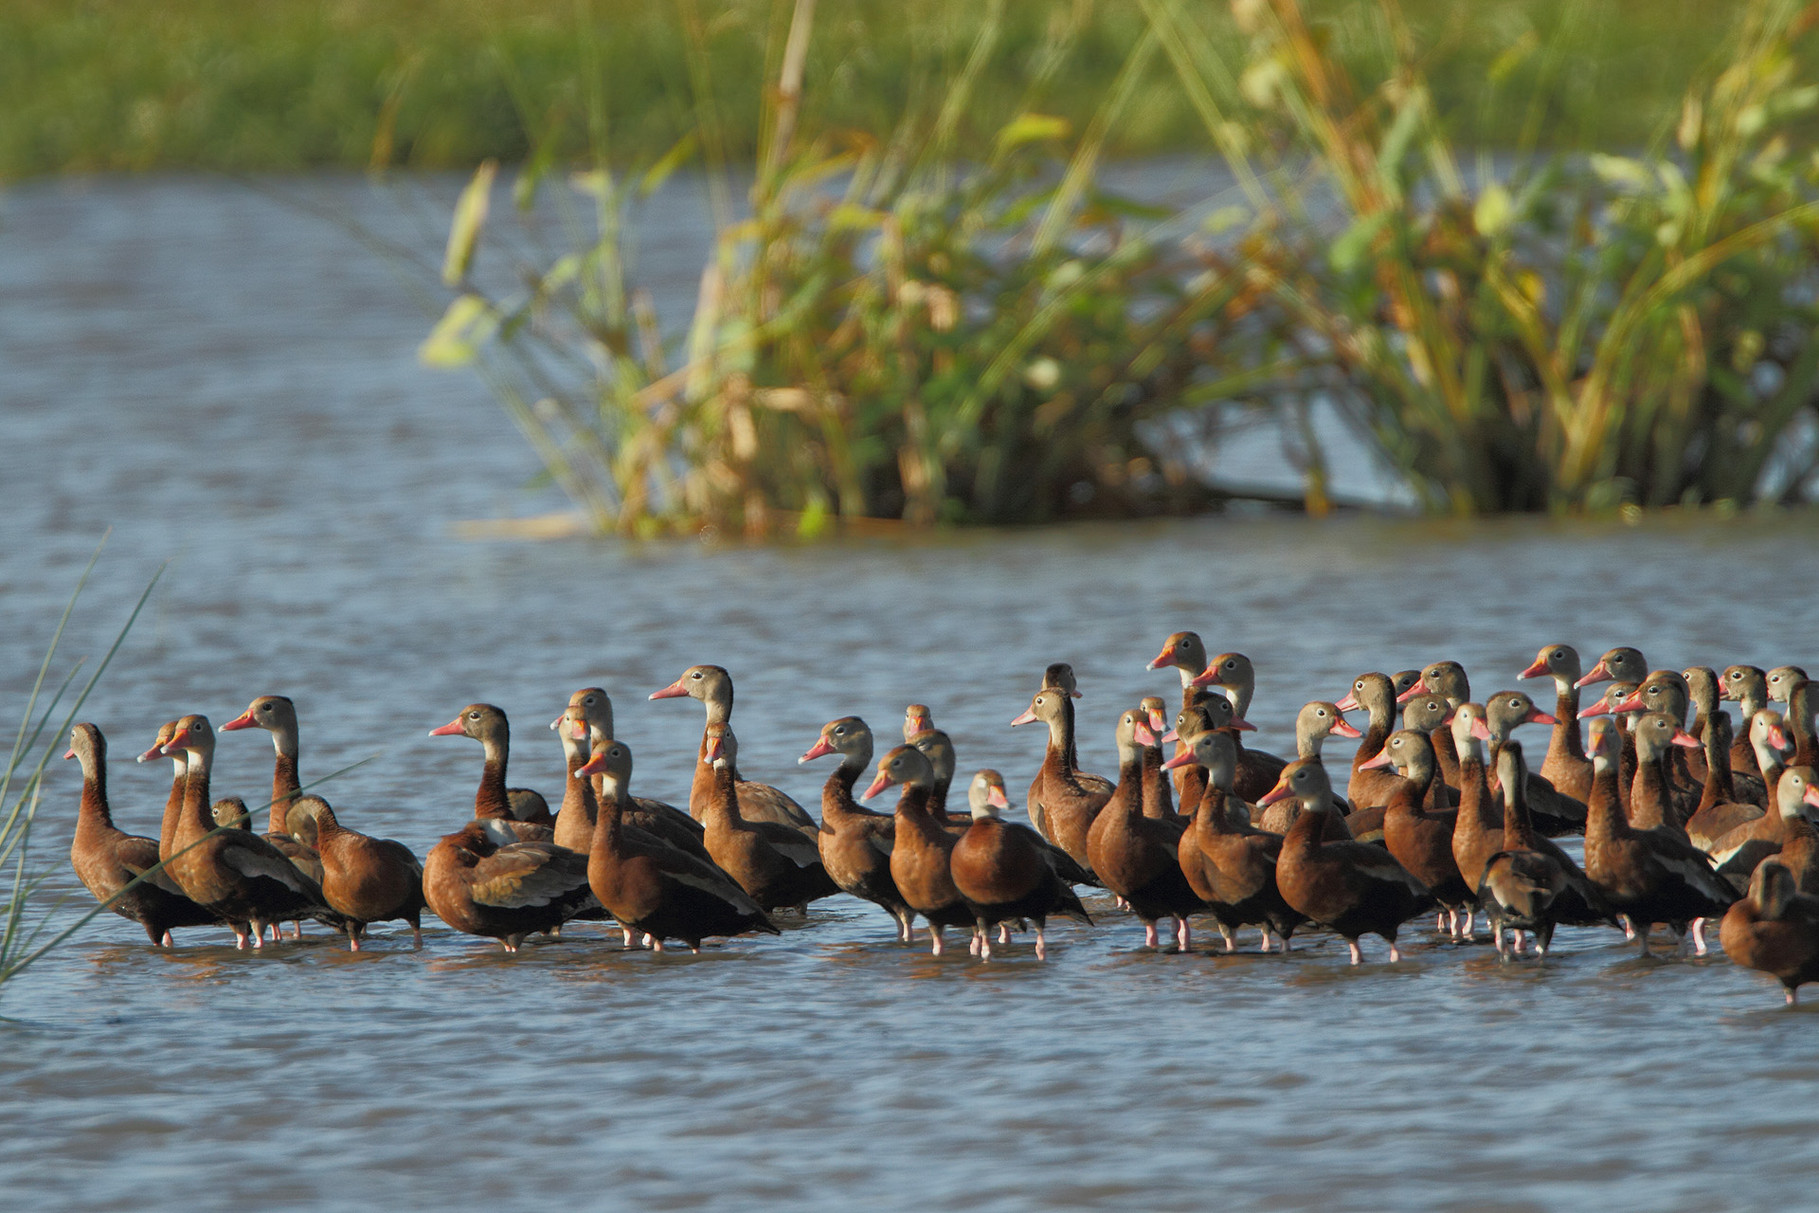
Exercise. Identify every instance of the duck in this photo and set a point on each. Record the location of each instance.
(1352, 888)
(235, 874)
(121, 869)
(1233, 674)
(1005, 872)
(1605, 705)
(1446, 679)
(278, 716)
(1738, 852)
(938, 748)
(173, 803)
(1136, 855)
(1063, 801)
(1566, 766)
(920, 862)
(1719, 810)
(365, 879)
(1666, 691)
(1800, 840)
(652, 888)
(917, 718)
(1185, 653)
(1521, 886)
(854, 842)
(1553, 812)
(1800, 724)
(587, 719)
(1229, 865)
(1747, 687)
(1375, 694)
(1621, 664)
(987, 794)
(1431, 715)
(771, 861)
(1419, 839)
(1701, 682)
(1782, 680)
(507, 892)
(713, 687)
(1775, 930)
(1315, 722)
(1478, 830)
(1652, 806)
(1651, 876)
(487, 724)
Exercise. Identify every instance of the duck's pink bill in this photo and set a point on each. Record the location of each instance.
(1345, 728)
(674, 690)
(243, 721)
(817, 750)
(1028, 717)
(448, 730)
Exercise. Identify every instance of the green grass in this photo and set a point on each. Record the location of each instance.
(257, 85)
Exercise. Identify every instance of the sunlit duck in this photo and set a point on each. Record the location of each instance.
(651, 888)
(1135, 855)
(1621, 664)
(1446, 679)
(235, 874)
(107, 859)
(173, 803)
(1702, 693)
(1719, 810)
(1651, 806)
(366, 880)
(487, 724)
(588, 719)
(1800, 840)
(713, 687)
(278, 715)
(1801, 706)
(1376, 695)
(1738, 852)
(1005, 872)
(1230, 865)
(1422, 840)
(1233, 674)
(1746, 686)
(938, 748)
(507, 892)
(1566, 766)
(855, 843)
(771, 861)
(1184, 653)
(1650, 875)
(1605, 705)
(1353, 888)
(1158, 792)
(1665, 691)
(920, 862)
(1553, 812)
(1782, 680)
(1062, 802)
(1775, 930)
(1522, 885)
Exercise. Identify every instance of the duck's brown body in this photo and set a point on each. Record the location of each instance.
(772, 862)
(712, 686)
(854, 842)
(504, 892)
(1003, 874)
(921, 855)
(1063, 801)
(365, 879)
(1775, 930)
(1229, 865)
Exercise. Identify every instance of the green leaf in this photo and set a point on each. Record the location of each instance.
(464, 229)
(456, 338)
(1352, 247)
(1031, 128)
(678, 155)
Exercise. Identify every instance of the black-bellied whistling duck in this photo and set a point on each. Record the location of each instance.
(235, 874)
(854, 842)
(1566, 766)
(1136, 856)
(1775, 930)
(1062, 801)
(1233, 674)
(713, 687)
(1185, 653)
(1552, 811)
(652, 888)
(917, 718)
(173, 803)
(1719, 810)
(1781, 680)
(277, 715)
(586, 720)
(771, 861)
(1650, 875)
(1376, 695)
(1746, 686)
(1738, 852)
(1352, 888)
(1446, 679)
(507, 892)
(1317, 720)
(983, 795)
(1005, 871)
(1059, 676)
(1420, 840)
(1402, 680)
(1605, 705)
(1701, 683)
(1230, 865)
(365, 879)
(1478, 830)
(1802, 702)
(920, 861)
(1158, 792)
(1522, 886)
(1666, 691)
(487, 724)
(1431, 715)
(938, 748)
(1621, 664)
(1800, 840)
(1651, 805)
(107, 859)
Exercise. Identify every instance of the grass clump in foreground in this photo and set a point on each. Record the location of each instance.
(900, 331)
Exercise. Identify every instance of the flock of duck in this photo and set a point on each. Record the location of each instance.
(1682, 823)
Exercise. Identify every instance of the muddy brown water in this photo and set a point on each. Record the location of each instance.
(232, 388)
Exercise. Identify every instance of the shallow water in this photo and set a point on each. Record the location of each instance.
(233, 388)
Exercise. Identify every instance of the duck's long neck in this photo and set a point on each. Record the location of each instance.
(1212, 816)
(286, 786)
(1648, 792)
(722, 807)
(1566, 739)
(1517, 836)
(578, 793)
(173, 808)
(912, 810)
(1604, 817)
(197, 820)
(837, 793)
(490, 799)
(1158, 791)
(92, 815)
(1718, 787)
(609, 819)
(1070, 756)
(1475, 814)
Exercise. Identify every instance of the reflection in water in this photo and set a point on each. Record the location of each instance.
(234, 388)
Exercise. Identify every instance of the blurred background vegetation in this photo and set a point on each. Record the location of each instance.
(113, 85)
(1539, 255)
